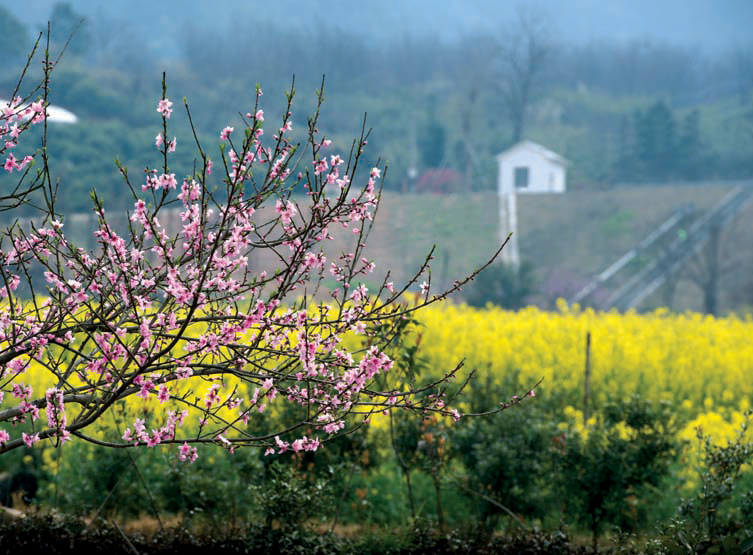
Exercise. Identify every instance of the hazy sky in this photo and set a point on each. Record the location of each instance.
(708, 24)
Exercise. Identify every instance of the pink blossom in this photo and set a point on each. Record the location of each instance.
(188, 453)
(282, 445)
(212, 396)
(286, 210)
(168, 181)
(154, 439)
(164, 394)
(8, 111)
(226, 133)
(333, 427)
(183, 372)
(24, 162)
(312, 260)
(4, 436)
(10, 163)
(30, 440)
(37, 107)
(146, 387)
(164, 107)
(320, 166)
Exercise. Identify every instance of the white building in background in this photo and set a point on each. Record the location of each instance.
(528, 167)
(55, 114)
(524, 168)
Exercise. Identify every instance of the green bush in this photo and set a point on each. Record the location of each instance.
(719, 518)
(502, 285)
(90, 480)
(611, 472)
(508, 462)
(288, 501)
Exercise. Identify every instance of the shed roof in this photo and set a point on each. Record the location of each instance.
(536, 148)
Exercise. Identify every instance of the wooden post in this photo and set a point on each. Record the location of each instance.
(587, 391)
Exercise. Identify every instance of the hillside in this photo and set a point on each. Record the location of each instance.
(568, 238)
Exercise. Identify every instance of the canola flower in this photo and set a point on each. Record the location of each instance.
(694, 361)
(699, 363)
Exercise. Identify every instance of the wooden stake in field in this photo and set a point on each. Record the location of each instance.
(587, 392)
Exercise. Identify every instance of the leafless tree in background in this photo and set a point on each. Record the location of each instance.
(722, 268)
(472, 75)
(742, 71)
(524, 52)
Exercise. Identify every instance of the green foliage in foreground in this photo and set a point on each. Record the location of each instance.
(514, 472)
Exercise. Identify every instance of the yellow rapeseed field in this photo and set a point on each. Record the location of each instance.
(701, 364)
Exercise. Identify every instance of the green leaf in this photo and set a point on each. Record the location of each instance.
(746, 546)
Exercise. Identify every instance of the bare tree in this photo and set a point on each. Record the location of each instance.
(721, 267)
(471, 73)
(741, 70)
(524, 51)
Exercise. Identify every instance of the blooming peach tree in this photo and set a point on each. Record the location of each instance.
(183, 321)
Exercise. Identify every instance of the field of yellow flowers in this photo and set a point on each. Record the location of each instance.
(702, 365)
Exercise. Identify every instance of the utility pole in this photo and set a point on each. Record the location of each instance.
(412, 156)
(508, 223)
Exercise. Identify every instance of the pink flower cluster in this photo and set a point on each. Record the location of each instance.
(16, 118)
(142, 436)
(164, 107)
(56, 419)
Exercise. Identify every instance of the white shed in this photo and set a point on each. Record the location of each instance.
(528, 167)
